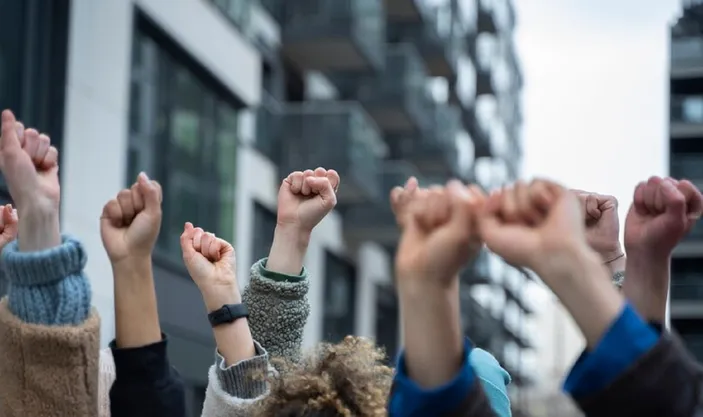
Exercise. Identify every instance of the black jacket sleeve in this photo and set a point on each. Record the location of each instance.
(146, 384)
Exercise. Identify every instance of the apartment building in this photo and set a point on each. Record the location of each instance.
(221, 99)
(686, 161)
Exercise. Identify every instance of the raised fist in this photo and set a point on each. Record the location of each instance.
(130, 223)
(663, 210)
(30, 165)
(305, 198)
(439, 234)
(602, 225)
(211, 263)
(8, 225)
(533, 225)
(400, 199)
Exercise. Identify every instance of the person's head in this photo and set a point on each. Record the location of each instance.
(348, 379)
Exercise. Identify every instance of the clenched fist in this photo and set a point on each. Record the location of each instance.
(130, 223)
(602, 225)
(439, 235)
(8, 225)
(305, 198)
(536, 226)
(30, 166)
(211, 263)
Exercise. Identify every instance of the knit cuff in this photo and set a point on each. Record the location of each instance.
(278, 276)
(45, 266)
(48, 287)
(245, 379)
(267, 282)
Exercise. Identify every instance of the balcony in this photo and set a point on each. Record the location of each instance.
(480, 136)
(396, 98)
(406, 10)
(434, 151)
(440, 52)
(337, 135)
(478, 272)
(686, 57)
(686, 117)
(268, 119)
(688, 166)
(340, 35)
(376, 221)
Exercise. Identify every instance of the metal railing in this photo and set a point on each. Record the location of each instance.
(686, 52)
(687, 166)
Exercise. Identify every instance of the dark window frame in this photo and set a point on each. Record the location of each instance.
(264, 226)
(338, 326)
(386, 304)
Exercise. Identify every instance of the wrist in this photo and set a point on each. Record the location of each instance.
(292, 234)
(39, 228)
(290, 244)
(215, 297)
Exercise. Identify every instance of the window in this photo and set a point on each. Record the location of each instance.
(340, 297)
(183, 132)
(387, 320)
(264, 226)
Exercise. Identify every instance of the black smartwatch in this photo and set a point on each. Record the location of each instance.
(227, 314)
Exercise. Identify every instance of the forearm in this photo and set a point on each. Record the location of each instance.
(39, 229)
(288, 250)
(586, 292)
(433, 338)
(234, 340)
(136, 312)
(648, 292)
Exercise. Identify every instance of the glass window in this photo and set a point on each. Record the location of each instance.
(340, 298)
(183, 133)
(264, 226)
(387, 320)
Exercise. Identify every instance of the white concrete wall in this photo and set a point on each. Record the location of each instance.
(97, 99)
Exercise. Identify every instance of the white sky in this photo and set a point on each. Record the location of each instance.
(595, 106)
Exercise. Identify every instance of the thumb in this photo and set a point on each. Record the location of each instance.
(9, 140)
(9, 220)
(151, 191)
(187, 241)
(461, 207)
(322, 187)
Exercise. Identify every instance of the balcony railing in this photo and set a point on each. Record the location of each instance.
(237, 11)
(439, 51)
(686, 56)
(689, 166)
(323, 35)
(396, 98)
(338, 135)
(687, 288)
(376, 222)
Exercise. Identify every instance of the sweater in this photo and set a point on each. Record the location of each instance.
(49, 336)
(278, 311)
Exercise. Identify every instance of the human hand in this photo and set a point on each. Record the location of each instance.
(8, 225)
(439, 235)
(539, 226)
(130, 223)
(662, 212)
(401, 198)
(211, 263)
(30, 166)
(602, 225)
(305, 198)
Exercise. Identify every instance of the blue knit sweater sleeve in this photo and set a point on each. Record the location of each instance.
(48, 287)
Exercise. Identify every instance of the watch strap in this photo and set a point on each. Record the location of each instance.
(228, 313)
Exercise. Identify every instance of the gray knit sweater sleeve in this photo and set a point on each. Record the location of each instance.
(278, 310)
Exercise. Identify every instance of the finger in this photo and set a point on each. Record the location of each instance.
(197, 239)
(31, 142)
(333, 176)
(591, 207)
(694, 200)
(320, 172)
(439, 208)
(187, 238)
(205, 241)
(51, 159)
(9, 139)
(215, 248)
(638, 198)
(112, 212)
(43, 146)
(4, 217)
(9, 221)
(462, 206)
(395, 196)
(296, 182)
(137, 198)
(151, 193)
(672, 200)
(306, 185)
(323, 188)
(509, 210)
(124, 197)
(541, 196)
(494, 202)
(528, 212)
(20, 132)
(650, 192)
(412, 184)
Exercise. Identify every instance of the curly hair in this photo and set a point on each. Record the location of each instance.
(342, 380)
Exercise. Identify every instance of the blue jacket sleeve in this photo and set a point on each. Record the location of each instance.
(48, 287)
(410, 400)
(627, 340)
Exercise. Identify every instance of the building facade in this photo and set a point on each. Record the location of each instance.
(686, 161)
(221, 99)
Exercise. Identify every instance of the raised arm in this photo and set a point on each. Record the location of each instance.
(146, 384)
(49, 336)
